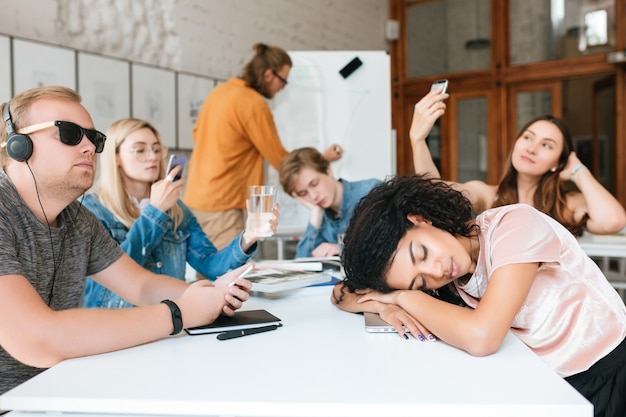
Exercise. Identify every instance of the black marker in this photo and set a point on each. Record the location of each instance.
(232, 334)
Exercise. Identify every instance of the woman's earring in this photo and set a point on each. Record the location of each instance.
(553, 169)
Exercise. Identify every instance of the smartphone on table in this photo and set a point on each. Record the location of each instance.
(176, 160)
(439, 84)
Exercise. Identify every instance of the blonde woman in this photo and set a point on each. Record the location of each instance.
(141, 210)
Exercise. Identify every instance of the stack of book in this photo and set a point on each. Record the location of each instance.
(271, 276)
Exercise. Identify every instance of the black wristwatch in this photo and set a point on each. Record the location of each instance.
(177, 317)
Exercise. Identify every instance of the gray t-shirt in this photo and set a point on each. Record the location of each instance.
(55, 260)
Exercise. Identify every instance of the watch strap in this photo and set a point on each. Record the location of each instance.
(177, 317)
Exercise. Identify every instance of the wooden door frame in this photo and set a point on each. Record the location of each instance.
(598, 87)
(501, 77)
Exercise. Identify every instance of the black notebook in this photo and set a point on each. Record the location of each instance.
(249, 319)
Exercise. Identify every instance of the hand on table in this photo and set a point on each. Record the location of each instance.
(397, 316)
(326, 249)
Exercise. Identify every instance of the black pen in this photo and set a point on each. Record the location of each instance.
(232, 334)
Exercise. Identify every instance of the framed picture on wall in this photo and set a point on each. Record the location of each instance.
(104, 84)
(5, 69)
(192, 91)
(154, 99)
(37, 64)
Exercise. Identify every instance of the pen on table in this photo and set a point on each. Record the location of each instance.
(232, 334)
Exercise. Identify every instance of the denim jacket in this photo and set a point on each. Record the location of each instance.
(331, 225)
(153, 244)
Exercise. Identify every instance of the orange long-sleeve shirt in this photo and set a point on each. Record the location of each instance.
(234, 132)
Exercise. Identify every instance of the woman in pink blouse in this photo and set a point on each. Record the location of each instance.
(518, 269)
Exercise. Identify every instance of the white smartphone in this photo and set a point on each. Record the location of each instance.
(176, 160)
(243, 274)
(439, 84)
(374, 324)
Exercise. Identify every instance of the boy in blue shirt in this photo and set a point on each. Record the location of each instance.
(307, 176)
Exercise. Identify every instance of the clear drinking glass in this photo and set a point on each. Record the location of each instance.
(262, 201)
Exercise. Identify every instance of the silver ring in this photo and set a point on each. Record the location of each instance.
(169, 178)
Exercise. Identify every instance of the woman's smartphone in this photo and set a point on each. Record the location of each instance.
(243, 274)
(176, 160)
(439, 84)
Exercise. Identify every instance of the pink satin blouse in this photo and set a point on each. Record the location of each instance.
(572, 316)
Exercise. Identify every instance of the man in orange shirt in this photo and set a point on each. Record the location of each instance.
(234, 132)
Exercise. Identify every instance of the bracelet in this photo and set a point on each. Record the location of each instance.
(177, 317)
(574, 171)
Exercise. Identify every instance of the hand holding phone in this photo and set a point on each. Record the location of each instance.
(176, 160)
(439, 84)
(243, 274)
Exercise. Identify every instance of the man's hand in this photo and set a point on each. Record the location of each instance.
(333, 153)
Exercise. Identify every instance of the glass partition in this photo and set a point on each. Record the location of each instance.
(544, 30)
(472, 139)
(530, 104)
(448, 36)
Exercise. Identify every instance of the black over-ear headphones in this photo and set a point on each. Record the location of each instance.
(19, 147)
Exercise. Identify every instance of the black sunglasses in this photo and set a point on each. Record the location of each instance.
(70, 133)
(284, 81)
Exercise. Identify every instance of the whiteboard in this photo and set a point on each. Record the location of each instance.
(320, 107)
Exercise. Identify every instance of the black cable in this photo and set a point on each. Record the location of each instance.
(44, 216)
(55, 265)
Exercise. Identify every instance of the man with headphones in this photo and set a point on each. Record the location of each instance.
(49, 243)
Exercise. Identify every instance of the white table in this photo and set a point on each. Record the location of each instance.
(321, 363)
(606, 248)
(613, 246)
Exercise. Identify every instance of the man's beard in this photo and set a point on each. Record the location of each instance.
(71, 188)
(265, 93)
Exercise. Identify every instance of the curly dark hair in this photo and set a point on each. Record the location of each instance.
(379, 221)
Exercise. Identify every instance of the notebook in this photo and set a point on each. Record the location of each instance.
(374, 324)
(247, 319)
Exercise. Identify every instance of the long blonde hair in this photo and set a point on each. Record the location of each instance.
(110, 187)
